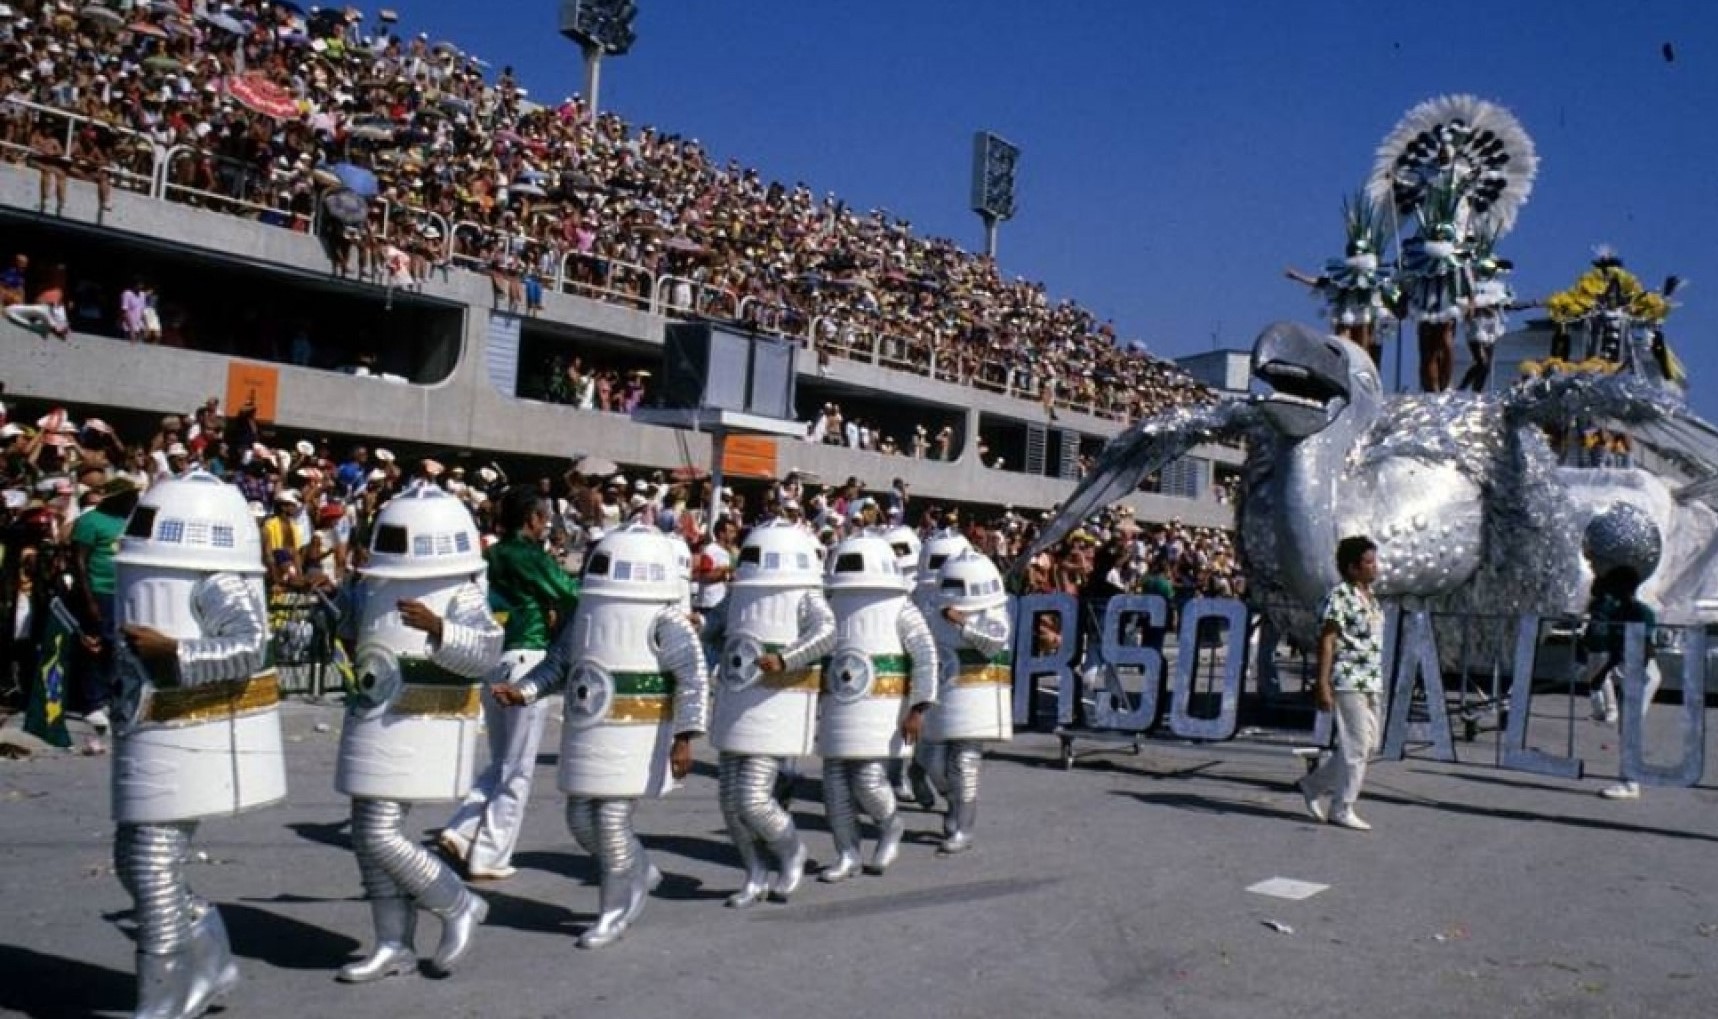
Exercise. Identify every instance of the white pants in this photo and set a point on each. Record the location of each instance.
(1341, 773)
(41, 319)
(494, 810)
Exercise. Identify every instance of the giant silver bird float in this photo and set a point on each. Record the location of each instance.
(1461, 492)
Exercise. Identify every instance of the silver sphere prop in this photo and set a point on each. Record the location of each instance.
(1623, 535)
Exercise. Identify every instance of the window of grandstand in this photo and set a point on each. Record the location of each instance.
(130, 288)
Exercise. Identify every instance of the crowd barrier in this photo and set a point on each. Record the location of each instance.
(1124, 666)
(303, 627)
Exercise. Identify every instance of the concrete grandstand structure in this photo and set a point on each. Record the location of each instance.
(460, 386)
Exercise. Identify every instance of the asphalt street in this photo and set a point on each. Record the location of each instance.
(1117, 888)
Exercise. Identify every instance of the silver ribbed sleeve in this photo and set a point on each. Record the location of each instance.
(816, 632)
(921, 651)
(682, 656)
(150, 862)
(235, 632)
(548, 676)
(987, 632)
(470, 643)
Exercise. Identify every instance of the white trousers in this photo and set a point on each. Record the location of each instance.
(493, 812)
(1341, 773)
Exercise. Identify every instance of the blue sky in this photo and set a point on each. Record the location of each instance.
(1176, 156)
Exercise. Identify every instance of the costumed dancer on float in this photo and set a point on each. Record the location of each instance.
(425, 642)
(929, 756)
(1358, 292)
(778, 626)
(1438, 285)
(636, 687)
(976, 706)
(536, 597)
(199, 731)
(1488, 310)
(878, 683)
(1456, 167)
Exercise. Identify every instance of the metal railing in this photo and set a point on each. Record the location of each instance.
(24, 115)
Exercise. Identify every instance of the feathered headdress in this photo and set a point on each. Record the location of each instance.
(1473, 146)
(1363, 222)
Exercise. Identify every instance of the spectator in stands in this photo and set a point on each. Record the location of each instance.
(13, 279)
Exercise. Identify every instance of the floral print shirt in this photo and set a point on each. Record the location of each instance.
(1359, 622)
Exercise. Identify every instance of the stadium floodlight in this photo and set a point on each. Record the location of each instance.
(993, 164)
(601, 28)
(600, 24)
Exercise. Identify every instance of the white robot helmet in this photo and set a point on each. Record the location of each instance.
(863, 562)
(424, 532)
(905, 541)
(780, 554)
(682, 559)
(971, 583)
(633, 563)
(939, 548)
(194, 522)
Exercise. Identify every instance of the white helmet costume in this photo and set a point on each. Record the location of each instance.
(883, 664)
(775, 604)
(199, 735)
(411, 723)
(882, 651)
(905, 541)
(633, 673)
(411, 726)
(937, 549)
(977, 680)
(682, 569)
(977, 684)
(190, 565)
(637, 672)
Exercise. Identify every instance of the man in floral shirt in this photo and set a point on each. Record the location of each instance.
(1350, 680)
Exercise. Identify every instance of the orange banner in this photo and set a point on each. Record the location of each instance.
(250, 383)
(749, 456)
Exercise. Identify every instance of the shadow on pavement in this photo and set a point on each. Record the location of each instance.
(573, 864)
(1291, 806)
(332, 833)
(1215, 804)
(536, 915)
(284, 942)
(35, 984)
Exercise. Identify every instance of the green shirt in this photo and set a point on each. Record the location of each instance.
(99, 532)
(525, 584)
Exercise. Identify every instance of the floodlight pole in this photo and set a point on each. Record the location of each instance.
(593, 78)
(990, 223)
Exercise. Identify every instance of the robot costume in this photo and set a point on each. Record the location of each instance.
(884, 664)
(977, 681)
(634, 678)
(411, 723)
(775, 605)
(198, 735)
(930, 757)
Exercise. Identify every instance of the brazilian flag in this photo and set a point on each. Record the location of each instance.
(46, 716)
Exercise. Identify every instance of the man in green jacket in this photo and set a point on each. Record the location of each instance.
(533, 597)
